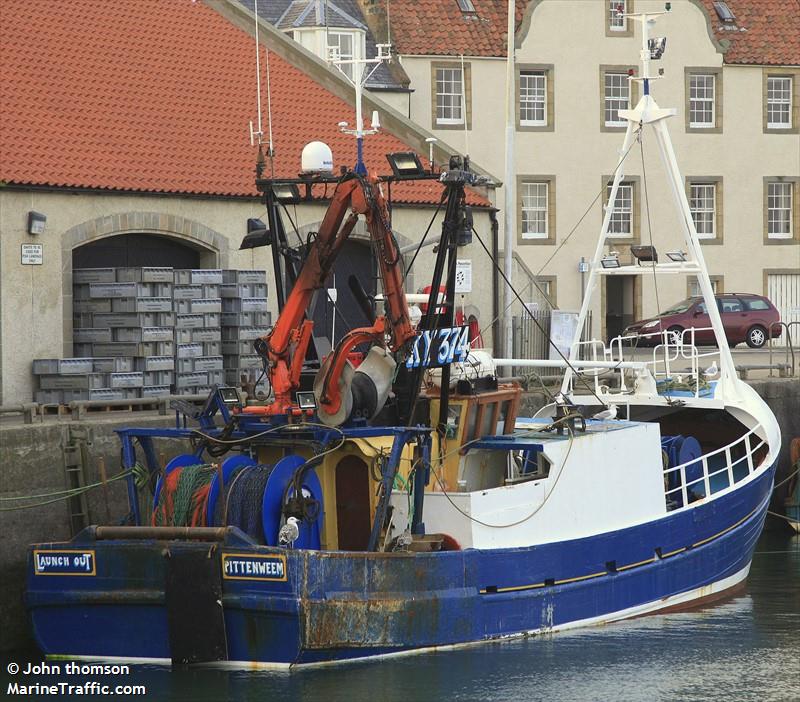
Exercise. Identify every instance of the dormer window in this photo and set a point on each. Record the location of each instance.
(466, 7)
(724, 12)
(341, 46)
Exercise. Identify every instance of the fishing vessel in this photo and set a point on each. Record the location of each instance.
(372, 507)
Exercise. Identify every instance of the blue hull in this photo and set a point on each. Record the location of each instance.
(338, 606)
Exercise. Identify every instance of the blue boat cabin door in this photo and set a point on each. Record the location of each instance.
(353, 521)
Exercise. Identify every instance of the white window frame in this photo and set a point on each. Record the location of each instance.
(535, 196)
(780, 204)
(533, 96)
(455, 82)
(699, 105)
(779, 103)
(617, 23)
(694, 287)
(703, 205)
(613, 97)
(623, 211)
(334, 41)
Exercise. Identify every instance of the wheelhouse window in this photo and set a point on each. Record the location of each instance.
(535, 201)
(779, 102)
(702, 89)
(617, 97)
(449, 96)
(779, 210)
(703, 205)
(621, 222)
(532, 98)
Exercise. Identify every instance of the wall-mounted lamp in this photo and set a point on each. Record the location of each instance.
(257, 235)
(610, 260)
(36, 222)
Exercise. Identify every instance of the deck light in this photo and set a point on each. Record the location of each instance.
(286, 192)
(656, 47)
(677, 256)
(36, 222)
(644, 254)
(405, 164)
(610, 260)
(257, 235)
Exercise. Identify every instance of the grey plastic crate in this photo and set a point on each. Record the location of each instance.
(208, 363)
(121, 364)
(143, 334)
(161, 348)
(245, 319)
(82, 350)
(182, 306)
(149, 274)
(142, 304)
(182, 276)
(233, 276)
(187, 292)
(241, 362)
(206, 305)
(206, 335)
(118, 290)
(89, 306)
(117, 349)
(156, 391)
(212, 348)
(165, 377)
(189, 321)
(216, 377)
(211, 290)
(243, 333)
(187, 391)
(81, 291)
(190, 380)
(239, 304)
(73, 382)
(126, 380)
(244, 290)
(94, 275)
(189, 350)
(211, 319)
(183, 336)
(84, 320)
(134, 319)
(62, 366)
(48, 397)
(108, 394)
(91, 335)
(237, 348)
(184, 365)
(201, 276)
(155, 363)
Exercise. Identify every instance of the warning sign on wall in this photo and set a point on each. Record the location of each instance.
(32, 254)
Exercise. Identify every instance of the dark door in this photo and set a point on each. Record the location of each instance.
(352, 504)
(619, 303)
(134, 251)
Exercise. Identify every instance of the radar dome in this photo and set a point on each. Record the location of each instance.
(317, 157)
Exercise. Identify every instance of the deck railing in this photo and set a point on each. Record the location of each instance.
(713, 479)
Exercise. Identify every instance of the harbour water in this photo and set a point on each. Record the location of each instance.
(744, 648)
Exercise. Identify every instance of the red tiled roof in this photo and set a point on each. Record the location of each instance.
(439, 27)
(765, 32)
(156, 96)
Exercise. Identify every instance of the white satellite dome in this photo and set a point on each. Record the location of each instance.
(317, 157)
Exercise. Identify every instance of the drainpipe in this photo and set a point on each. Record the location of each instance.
(495, 279)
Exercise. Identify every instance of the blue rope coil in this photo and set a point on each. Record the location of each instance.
(244, 496)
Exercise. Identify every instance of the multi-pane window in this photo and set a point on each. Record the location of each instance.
(779, 210)
(340, 46)
(534, 210)
(616, 20)
(694, 287)
(621, 222)
(701, 100)
(703, 204)
(617, 97)
(532, 98)
(449, 96)
(779, 102)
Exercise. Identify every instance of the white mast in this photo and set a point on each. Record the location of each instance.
(509, 187)
(647, 112)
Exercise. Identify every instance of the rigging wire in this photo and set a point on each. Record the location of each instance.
(425, 235)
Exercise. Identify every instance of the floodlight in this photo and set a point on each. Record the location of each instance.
(286, 192)
(257, 235)
(610, 260)
(677, 256)
(656, 47)
(644, 254)
(405, 164)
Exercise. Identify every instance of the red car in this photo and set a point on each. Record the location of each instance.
(745, 317)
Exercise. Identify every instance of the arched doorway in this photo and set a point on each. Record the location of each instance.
(135, 251)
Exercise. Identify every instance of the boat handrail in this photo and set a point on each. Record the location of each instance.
(705, 478)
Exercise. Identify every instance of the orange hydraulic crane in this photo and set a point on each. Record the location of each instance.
(284, 347)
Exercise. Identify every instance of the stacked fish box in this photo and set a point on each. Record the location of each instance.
(123, 322)
(198, 341)
(244, 319)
